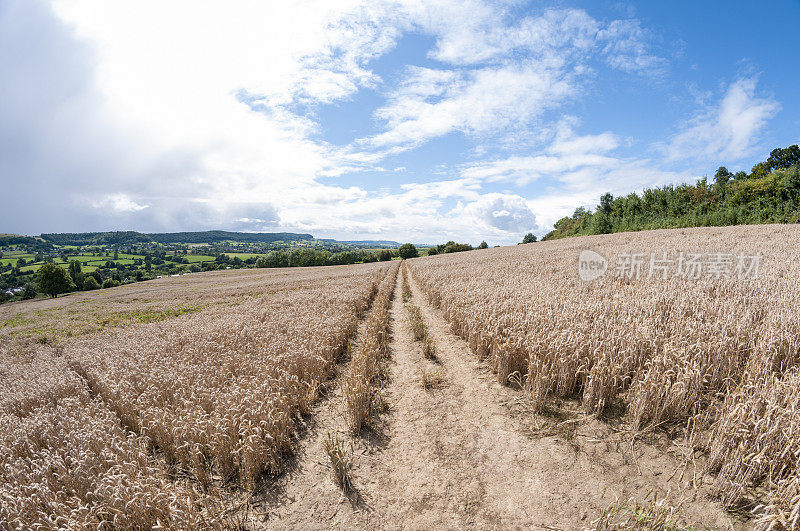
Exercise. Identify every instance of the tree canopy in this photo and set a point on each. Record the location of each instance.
(770, 193)
(408, 250)
(53, 279)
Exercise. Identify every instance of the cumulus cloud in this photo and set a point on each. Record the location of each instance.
(500, 212)
(578, 169)
(567, 152)
(209, 116)
(434, 103)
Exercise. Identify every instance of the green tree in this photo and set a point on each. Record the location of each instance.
(21, 263)
(579, 213)
(783, 158)
(722, 176)
(601, 224)
(483, 245)
(76, 273)
(432, 251)
(90, 283)
(453, 247)
(53, 279)
(606, 203)
(385, 255)
(408, 250)
(529, 238)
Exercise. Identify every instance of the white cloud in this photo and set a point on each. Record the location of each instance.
(434, 103)
(727, 131)
(626, 48)
(566, 152)
(496, 214)
(190, 115)
(487, 92)
(118, 203)
(577, 170)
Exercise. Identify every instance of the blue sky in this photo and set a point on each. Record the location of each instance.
(402, 119)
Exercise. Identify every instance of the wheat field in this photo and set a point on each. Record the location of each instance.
(717, 353)
(136, 427)
(163, 423)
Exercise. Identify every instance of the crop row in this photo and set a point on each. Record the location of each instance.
(668, 349)
(360, 384)
(131, 428)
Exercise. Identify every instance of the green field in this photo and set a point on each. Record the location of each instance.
(12, 257)
(90, 262)
(195, 258)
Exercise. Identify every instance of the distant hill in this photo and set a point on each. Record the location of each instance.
(211, 236)
(214, 236)
(16, 239)
(371, 243)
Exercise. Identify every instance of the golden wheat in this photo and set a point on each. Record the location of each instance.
(340, 457)
(667, 349)
(359, 385)
(96, 431)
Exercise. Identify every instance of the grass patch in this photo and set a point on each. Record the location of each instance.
(143, 316)
(418, 327)
(651, 515)
(429, 348)
(17, 320)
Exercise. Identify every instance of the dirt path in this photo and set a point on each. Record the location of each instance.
(457, 457)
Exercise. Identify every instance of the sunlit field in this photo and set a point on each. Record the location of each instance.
(717, 355)
(132, 426)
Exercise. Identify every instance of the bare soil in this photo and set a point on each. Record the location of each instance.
(467, 453)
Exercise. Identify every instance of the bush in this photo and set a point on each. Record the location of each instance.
(90, 283)
(29, 292)
(432, 251)
(453, 247)
(408, 250)
(110, 283)
(385, 255)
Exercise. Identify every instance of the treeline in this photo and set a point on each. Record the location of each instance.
(453, 247)
(304, 257)
(7, 240)
(770, 193)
